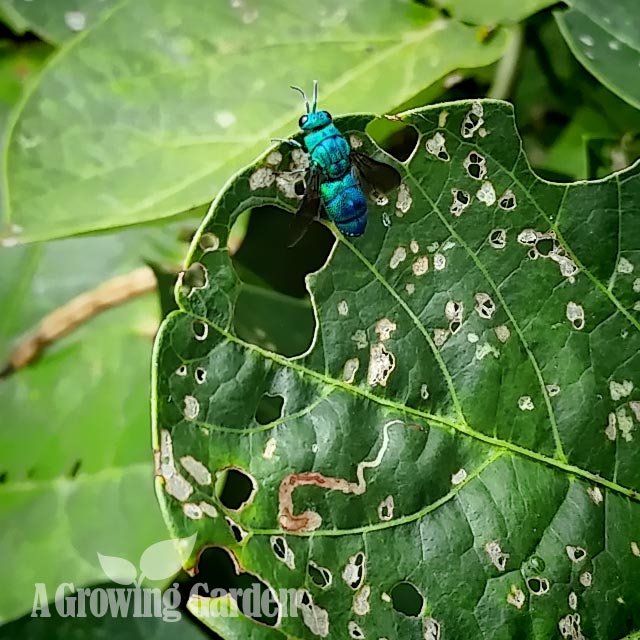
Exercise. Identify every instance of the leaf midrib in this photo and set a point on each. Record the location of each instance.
(462, 428)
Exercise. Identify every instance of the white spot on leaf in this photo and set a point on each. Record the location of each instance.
(516, 597)
(439, 261)
(436, 146)
(361, 601)
(191, 408)
(192, 511)
(314, 617)
(624, 266)
(350, 369)
(420, 266)
(381, 364)
(473, 120)
(461, 200)
(196, 470)
(595, 494)
(360, 338)
(575, 315)
(404, 200)
(525, 403)
(269, 449)
(384, 328)
(507, 200)
(497, 557)
(486, 193)
(485, 307)
(619, 390)
(399, 255)
(385, 509)
(261, 178)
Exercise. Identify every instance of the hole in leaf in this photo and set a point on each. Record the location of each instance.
(194, 277)
(475, 171)
(269, 409)
(545, 246)
(217, 568)
(265, 259)
(406, 599)
(273, 309)
(278, 546)
(320, 576)
(538, 586)
(396, 138)
(237, 532)
(237, 488)
(209, 242)
(200, 330)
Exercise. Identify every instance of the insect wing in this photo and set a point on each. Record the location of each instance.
(378, 176)
(308, 210)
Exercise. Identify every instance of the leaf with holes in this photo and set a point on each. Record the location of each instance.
(605, 38)
(456, 455)
(147, 112)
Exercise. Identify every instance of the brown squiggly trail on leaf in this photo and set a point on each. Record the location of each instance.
(310, 520)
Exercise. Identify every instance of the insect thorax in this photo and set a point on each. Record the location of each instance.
(329, 151)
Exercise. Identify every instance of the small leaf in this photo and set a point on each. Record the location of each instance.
(118, 570)
(162, 560)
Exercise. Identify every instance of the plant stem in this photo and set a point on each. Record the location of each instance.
(506, 72)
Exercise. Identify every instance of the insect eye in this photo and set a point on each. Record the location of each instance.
(327, 115)
(302, 121)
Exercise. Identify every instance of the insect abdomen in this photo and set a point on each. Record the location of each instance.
(345, 204)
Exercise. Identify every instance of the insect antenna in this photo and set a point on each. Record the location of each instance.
(306, 102)
(315, 96)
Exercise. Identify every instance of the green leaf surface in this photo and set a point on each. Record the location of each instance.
(492, 12)
(18, 64)
(466, 419)
(151, 111)
(75, 477)
(56, 22)
(605, 38)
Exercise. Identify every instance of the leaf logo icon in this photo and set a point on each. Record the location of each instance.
(118, 570)
(161, 560)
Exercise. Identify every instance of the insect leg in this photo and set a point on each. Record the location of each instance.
(293, 143)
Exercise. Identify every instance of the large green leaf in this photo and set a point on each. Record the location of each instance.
(57, 21)
(152, 110)
(492, 12)
(18, 63)
(605, 38)
(466, 419)
(75, 478)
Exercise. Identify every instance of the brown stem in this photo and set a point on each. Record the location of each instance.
(76, 312)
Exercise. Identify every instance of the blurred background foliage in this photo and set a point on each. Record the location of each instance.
(121, 120)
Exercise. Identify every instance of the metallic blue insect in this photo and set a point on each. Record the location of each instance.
(337, 176)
